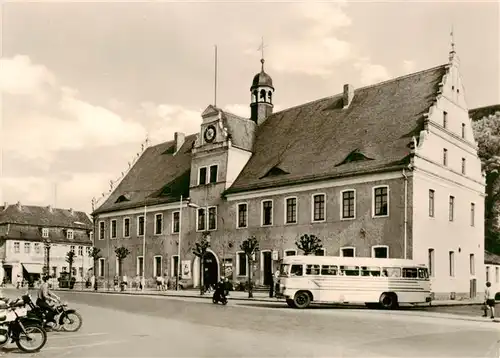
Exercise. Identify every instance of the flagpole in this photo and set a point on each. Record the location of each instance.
(179, 246)
(143, 279)
(215, 82)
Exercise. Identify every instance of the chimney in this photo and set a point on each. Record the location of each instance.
(50, 208)
(348, 95)
(5, 205)
(179, 138)
(71, 211)
(18, 205)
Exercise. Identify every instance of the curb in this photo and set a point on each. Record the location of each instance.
(255, 299)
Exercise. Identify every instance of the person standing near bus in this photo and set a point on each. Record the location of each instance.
(489, 301)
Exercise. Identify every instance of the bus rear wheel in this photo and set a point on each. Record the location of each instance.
(290, 303)
(389, 300)
(302, 299)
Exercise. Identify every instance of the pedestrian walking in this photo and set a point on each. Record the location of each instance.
(276, 283)
(489, 301)
(165, 283)
(116, 281)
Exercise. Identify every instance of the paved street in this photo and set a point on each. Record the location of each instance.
(139, 326)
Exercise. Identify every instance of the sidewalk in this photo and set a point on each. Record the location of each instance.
(258, 296)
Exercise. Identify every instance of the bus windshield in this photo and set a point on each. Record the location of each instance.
(284, 270)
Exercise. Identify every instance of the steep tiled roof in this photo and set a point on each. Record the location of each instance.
(311, 141)
(159, 176)
(491, 259)
(44, 216)
(478, 113)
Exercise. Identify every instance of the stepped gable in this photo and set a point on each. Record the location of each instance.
(311, 141)
(159, 176)
(479, 113)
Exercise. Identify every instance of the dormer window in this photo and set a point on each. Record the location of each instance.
(70, 235)
(45, 233)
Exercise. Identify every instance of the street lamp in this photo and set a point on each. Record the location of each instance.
(191, 205)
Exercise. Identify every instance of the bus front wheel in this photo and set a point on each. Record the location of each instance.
(389, 300)
(302, 299)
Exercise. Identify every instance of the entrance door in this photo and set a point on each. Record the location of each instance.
(210, 270)
(473, 288)
(8, 274)
(268, 268)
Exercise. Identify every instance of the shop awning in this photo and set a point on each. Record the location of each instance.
(33, 268)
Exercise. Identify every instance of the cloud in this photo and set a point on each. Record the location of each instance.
(37, 130)
(408, 66)
(19, 76)
(371, 73)
(309, 42)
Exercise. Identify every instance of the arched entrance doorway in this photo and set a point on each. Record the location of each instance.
(210, 269)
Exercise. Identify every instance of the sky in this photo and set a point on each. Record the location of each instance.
(83, 83)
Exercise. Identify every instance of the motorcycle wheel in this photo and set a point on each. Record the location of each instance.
(224, 302)
(214, 300)
(71, 321)
(24, 342)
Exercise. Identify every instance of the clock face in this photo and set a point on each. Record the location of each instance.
(210, 133)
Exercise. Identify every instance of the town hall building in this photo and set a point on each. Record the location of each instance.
(388, 170)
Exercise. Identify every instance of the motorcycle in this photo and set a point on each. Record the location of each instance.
(65, 319)
(217, 297)
(16, 326)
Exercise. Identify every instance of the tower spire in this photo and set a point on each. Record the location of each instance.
(261, 49)
(452, 39)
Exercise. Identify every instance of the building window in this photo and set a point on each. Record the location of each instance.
(242, 215)
(157, 263)
(348, 204)
(202, 176)
(452, 263)
(213, 174)
(91, 236)
(200, 219)
(175, 222)
(212, 218)
(140, 225)
(72, 249)
(139, 269)
(380, 252)
(431, 262)
(113, 229)
(320, 252)
(347, 251)
(175, 266)
(87, 250)
(472, 214)
(101, 230)
(472, 265)
(487, 274)
(158, 224)
(80, 251)
(45, 233)
(381, 201)
(17, 247)
(267, 212)
(101, 267)
(318, 207)
(431, 203)
(290, 252)
(445, 156)
(463, 165)
(445, 119)
(497, 274)
(463, 130)
(70, 234)
(37, 247)
(242, 263)
(451, 208)
(27, 247)
(291, 210)
(126, 227)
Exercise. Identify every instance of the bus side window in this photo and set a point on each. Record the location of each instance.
(370, 271)
(392, 271)
(328, 270)
(410, 272)
(312, 270)
(296, 270)
(422, 273)
(349, 270)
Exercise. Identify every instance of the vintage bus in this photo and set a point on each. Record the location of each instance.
(375, 282)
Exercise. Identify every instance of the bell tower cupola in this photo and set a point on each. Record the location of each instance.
(262, 91)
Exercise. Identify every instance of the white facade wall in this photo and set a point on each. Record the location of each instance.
(464, 235)
(37, 256)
